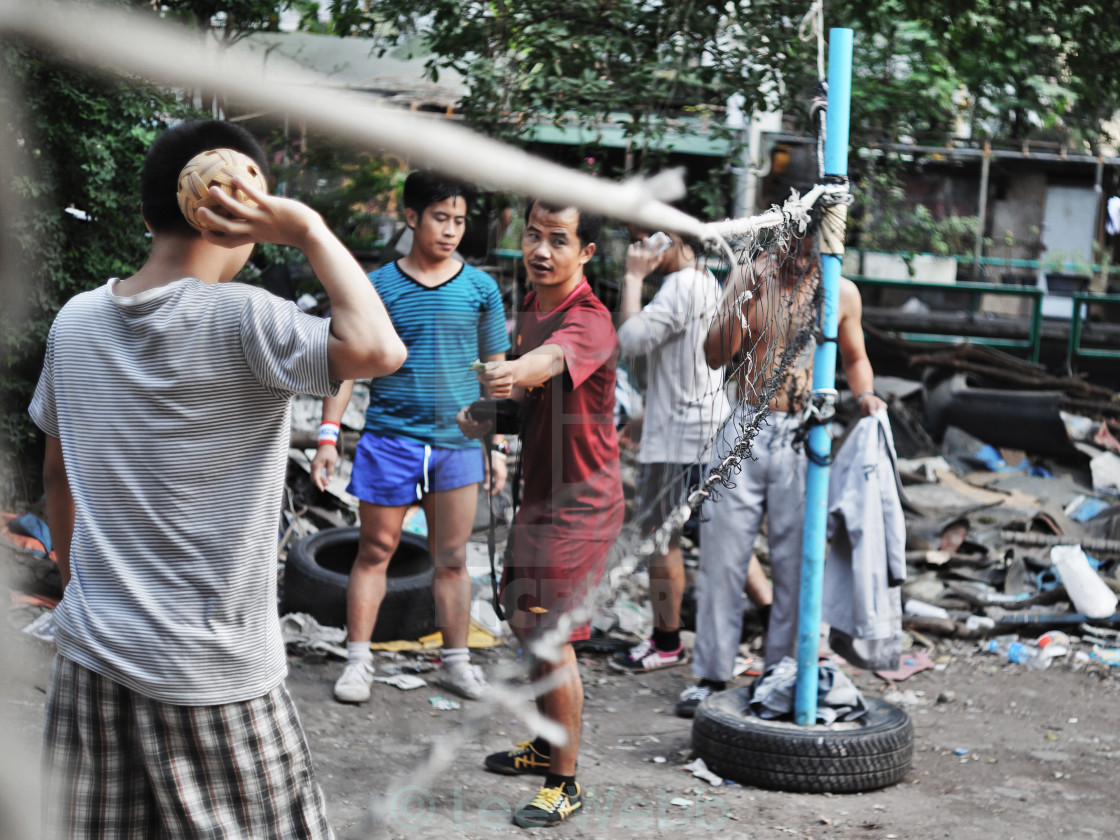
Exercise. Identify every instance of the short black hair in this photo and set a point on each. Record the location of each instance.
(588, 227)
(170, 152)
(423, 189)
(693, 242)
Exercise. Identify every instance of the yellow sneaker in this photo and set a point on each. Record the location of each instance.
(550, 806)
(522, 759)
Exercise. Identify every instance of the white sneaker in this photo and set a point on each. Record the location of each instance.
(691, 698)
(644, 657)
(353, 685)
(465, 680)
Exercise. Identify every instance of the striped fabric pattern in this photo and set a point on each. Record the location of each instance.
(685, 399)
(118, 766)
(173, 411)
(445, 329)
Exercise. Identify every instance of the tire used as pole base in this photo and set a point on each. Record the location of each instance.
(872, 752)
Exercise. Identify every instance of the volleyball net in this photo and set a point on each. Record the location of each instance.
(743, 345)
(751, 316)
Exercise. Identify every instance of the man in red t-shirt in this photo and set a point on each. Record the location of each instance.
(572, 506)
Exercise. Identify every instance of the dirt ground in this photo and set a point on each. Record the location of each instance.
(1000, 753)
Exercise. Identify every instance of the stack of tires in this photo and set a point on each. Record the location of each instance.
(318, 569)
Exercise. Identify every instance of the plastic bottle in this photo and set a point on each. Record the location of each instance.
(1089, 593)
(979, 622)
(1021, 653)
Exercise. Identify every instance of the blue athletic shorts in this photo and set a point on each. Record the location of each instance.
(399, 471)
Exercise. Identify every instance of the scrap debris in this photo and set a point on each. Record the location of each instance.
(984, 519)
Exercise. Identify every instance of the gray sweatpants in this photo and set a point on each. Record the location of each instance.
(773, 482)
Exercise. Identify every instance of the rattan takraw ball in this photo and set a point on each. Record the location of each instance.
(216, 168)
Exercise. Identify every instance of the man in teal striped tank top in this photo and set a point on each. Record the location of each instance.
(449, 315)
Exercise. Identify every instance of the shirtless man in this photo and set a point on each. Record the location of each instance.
(685, 402)
(776, 297)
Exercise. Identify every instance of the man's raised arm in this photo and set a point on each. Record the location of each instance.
(725, 333)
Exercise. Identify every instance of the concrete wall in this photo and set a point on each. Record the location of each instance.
(1017, 205)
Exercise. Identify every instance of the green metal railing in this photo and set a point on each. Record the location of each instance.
(1031, 344)
(1076, 330)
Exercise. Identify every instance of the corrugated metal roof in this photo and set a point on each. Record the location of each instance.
(353, 64)
(399, 76)
(689, 136)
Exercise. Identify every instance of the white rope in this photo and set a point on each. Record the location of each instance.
(796, 210)
(746, 295)
(833, 227)
(169, 54)
(814, 20)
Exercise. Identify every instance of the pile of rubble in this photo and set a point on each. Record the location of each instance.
(1011, 494)
(1008, 543)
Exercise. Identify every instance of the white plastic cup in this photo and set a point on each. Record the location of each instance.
(1088, 592)
(915, 607)
(979, 622)
(1054, 644)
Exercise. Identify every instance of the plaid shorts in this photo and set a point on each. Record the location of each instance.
(120, 765)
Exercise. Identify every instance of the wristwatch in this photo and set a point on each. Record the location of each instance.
(500, 446)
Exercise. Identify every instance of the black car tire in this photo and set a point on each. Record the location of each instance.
(872, 752)
(318, 570)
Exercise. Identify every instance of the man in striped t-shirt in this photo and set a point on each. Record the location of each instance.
(449, 315)
(164, 399)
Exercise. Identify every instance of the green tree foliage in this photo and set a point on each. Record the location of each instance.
(352, 189)
(589, 61)
(1012, 69)
(73, 141)
(227, 20)
(1024, 69)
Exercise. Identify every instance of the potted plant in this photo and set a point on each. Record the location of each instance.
(913, 244)
(896, 239)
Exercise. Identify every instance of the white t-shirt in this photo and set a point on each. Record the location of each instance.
(172, 407)
(685, 401)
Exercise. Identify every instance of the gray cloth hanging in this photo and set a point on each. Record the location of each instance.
(773, 693)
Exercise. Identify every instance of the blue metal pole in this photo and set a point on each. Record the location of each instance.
(824, 376)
